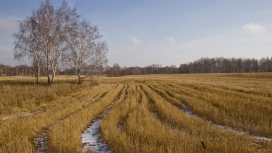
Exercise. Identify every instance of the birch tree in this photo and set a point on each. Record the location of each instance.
(86, 51)
(65, 21)
(54, 28)
(54, 35)
(27, 45)
(99, 60)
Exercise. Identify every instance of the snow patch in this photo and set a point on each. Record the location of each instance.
(90, 137)
(41, 142)
(187, 110)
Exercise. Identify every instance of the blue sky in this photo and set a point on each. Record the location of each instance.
(167, 32)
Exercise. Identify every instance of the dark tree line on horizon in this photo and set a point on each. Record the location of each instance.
(203, 65)
(227, 65)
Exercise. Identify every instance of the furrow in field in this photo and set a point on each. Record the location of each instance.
(65, 134)
(144, 133)
(91, 137)
(189, 112)
(132, 95)
(126, 139)
(41, 141)
(243, 91)
(122, 140)
(156, 113)
(247, 99)
(195, 127)
(256, 138)
(33, 112)
(21, 138)
(262, 98)
(221, 110)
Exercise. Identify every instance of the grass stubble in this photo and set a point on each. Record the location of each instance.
(150, 119)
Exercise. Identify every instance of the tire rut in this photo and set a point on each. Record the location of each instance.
(91, 136)
(41, 142)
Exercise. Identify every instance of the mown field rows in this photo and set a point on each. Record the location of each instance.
(160, 113)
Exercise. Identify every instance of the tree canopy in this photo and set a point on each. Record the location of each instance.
(53, 36)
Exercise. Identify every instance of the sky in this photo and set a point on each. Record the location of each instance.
(166, 32)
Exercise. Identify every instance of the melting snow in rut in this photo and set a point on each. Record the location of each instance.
(190, 113)
(41, 141)
(90, 137)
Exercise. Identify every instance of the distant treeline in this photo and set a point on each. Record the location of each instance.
(15, 71)
(30, 70)
(203, 65)
(227, 65)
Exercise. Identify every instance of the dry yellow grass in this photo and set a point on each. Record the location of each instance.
(18, 94)
(152, 118)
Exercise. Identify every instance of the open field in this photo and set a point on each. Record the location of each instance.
(160, 113)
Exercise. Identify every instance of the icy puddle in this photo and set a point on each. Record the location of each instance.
(41, 142)
(256, 138)
(187, 110)
(90, 137)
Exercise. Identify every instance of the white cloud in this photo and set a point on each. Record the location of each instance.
(7, 27)
(135, 41)
(254, 28)
(7, 23)
(171, 40)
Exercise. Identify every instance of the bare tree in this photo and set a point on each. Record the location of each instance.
(51, 36)
(45, 19)
(27, 44)
(85, 49)
(116, 70)
(43, 37)
(99, 60)
(66, 19)
(54, 27)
